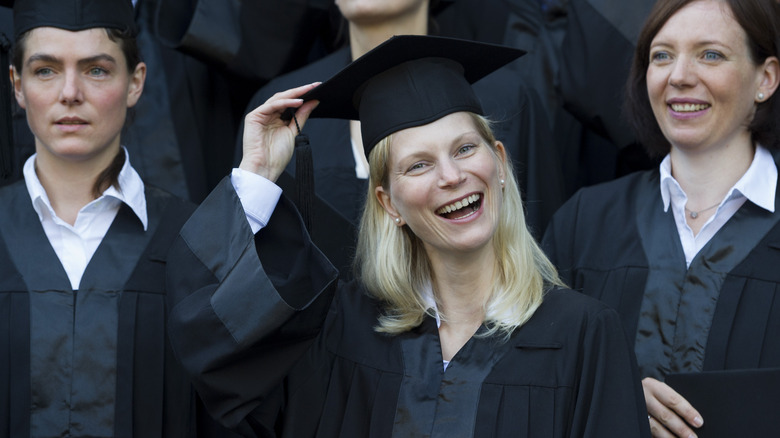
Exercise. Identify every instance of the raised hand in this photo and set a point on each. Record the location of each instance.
(268, 140)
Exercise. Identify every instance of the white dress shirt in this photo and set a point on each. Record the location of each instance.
(758, 185)
(75, 244)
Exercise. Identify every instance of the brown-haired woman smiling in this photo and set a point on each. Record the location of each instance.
(686, 253)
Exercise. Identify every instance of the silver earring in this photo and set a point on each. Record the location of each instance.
(760, 96)
(398, 220)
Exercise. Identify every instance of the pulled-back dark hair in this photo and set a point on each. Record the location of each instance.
(758, 18)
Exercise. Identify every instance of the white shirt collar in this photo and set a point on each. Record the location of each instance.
(430, 300)
(131, 193)
(758, 184)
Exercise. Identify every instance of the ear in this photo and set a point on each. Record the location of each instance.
(501, 154)
(16, 80)
(383, 196)
(136, 86)
(769, 78)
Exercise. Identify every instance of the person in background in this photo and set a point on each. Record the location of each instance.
(83, 242)
(687, 252)
(456, 325)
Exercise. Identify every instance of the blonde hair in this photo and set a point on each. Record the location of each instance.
(392, 263)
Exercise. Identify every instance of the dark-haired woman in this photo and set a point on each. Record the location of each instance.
(83, 349)
(687, 253)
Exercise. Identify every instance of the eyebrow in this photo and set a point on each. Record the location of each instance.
(466, 134)
(44, 57)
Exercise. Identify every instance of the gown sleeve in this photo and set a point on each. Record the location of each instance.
(242, 314)
(609, 400)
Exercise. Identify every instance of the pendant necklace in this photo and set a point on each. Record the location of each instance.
(695, 214)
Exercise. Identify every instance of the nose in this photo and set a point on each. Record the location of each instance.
(71, 92)
(450, 173)
(683, 73)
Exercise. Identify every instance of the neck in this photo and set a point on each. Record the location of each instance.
(364, 37)
(707, 177)
(463, 285)
(69, 184)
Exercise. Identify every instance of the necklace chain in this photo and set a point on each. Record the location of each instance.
(695, 214)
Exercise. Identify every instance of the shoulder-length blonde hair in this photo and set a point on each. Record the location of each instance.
(394, 267)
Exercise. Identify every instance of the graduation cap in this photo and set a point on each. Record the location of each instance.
(407, 81)
(73, 15)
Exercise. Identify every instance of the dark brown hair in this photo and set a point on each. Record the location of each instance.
(759, 20)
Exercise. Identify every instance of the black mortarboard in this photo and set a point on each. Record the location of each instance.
(407, 81)
(73, 15)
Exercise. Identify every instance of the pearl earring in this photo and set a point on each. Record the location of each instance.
(760, 97)
(398, 220)
(502, 182)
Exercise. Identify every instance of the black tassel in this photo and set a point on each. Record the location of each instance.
(6, 118)
(304, 178)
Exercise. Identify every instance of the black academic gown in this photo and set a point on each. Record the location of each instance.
(594, 60)
(277, 348)
(614, 242)
(521, 124)
(121, 300)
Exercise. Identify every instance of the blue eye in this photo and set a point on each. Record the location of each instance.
(712, 55)
(97, 71)
(466, 148)
(416, 166)
(659, 56)
(44, 71)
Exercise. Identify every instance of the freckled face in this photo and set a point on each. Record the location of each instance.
(75, 88)
(444, 183)
(701, 81)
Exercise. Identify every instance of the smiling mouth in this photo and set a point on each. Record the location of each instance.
(462, 208)
(689, 107)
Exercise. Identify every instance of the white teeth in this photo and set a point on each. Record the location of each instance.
(457, 205)
(689, 107)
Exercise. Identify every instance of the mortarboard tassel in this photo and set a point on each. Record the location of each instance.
(304, 177)
(6, 119)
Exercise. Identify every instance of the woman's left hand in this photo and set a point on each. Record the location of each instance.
(670, 414)
(269, 140)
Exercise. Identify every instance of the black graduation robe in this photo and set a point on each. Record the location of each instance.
(277, 348)
(121, 300)
(606, 240)
(594, 60)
